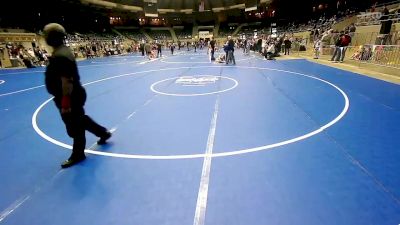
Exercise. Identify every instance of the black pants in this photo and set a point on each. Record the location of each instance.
(77, 123)
(230, 57)
(212, 54)
(269, 56)
(158, 53)
(287, 51)
(336, 53)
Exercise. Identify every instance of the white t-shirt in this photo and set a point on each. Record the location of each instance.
(263, 43)
(271, 48)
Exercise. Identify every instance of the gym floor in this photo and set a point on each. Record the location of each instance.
(263, 142)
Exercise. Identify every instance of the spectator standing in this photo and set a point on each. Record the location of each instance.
(338, 41)
(172, 47)
(345, 42)
(317, 48)
(147, 49)
(142, 44)
(230, 47)
(159, 47)
(288, 45)
(212, 49)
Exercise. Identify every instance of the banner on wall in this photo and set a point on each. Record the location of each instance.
(205, 34)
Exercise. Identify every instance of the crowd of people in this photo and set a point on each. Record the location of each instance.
(376, 18)
(333, 39)
(323, 39)
(99, 49)
(92, 45)
(20, 55)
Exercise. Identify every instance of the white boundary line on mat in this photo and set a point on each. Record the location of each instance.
(193, 156)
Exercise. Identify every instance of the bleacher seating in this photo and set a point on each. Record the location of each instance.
(183, 34)
(134, 35)
(160, 34)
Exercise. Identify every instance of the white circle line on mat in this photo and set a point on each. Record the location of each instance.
(194, 156)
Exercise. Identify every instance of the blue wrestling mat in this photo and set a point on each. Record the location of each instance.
(286, 142)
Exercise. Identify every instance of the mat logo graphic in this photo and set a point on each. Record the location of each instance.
(196, 81)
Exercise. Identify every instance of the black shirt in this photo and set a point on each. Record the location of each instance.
(288, 43)
(231, 45)
(62, 64)
(212, 44)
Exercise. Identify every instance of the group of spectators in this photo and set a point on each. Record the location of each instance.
(26, 57)
(269, 46)
(99, 49)
(154, 49)
(264, 45)
(315, 26)
(376, 18)
(363, 53)
(341, 40)
(333, 38)
(83, 46)
(94, 45)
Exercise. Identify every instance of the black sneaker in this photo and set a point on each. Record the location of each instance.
(103, 140)
(72, 161)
